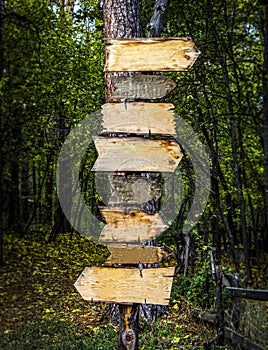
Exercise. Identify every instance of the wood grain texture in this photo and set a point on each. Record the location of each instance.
(125, 285)
(150, 54)
(133, 227)
(136, 154)
(133, 189)
(139, 118)
(140, 86)
(135, 254)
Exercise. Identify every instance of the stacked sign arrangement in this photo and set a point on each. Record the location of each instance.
(151, 149)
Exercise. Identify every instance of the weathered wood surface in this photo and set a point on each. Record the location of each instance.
(135, 254)
(150, 54)
(241, 341)
(133, 227)
(140, 86)
(126, 285)
(136, 154)
(133, 189)
(254, 294)
(139, 118)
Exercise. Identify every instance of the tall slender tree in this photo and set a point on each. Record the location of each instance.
(2, 4)
(265, 110)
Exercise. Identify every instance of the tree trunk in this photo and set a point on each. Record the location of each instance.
(24, 191)
(13, 206)
(121, 20)
(2, 4)
(265, 113)
(234, 145)
(154, 28)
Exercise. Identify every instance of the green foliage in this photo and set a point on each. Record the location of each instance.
(58, 335)
(53, 76)
(198, 288)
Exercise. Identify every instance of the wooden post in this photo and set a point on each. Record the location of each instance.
(121, 20)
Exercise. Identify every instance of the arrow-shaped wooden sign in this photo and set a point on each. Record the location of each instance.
(139, 118)
(136, 154)
(133, 190)
(135, 254)
(134, 227)
(126, 285)
(140, 86)
(150, 54)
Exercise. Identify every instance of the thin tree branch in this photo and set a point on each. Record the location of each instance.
(154, 27)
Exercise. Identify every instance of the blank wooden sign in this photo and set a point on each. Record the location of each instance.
(150, 54)
(139, 118)
(133, 227)
(135, 254)
(126, 285)
(136, 154)
(141, 86)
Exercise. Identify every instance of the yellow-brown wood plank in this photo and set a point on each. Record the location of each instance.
(136, 154)
(139, 118)
(126, 285)
(135, 254)
(141, 86)
(150, 54)
(135, 226)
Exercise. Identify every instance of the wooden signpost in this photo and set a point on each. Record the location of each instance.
(141, 86)
(150, 54)
(139, 118)
(126, 285)
(140, 140)
(135, 254)
(136, 154)
(133, 227)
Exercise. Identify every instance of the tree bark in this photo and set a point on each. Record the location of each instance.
(265, 112)
(154, 27)
(121, 20)
(2, 5)
(24, 192)
(13, 205)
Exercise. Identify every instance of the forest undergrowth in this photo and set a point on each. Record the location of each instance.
(41, 309)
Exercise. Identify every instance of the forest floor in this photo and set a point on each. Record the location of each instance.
(41, 309)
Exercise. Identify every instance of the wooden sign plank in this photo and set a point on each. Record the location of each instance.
(139, 118)
(136, 154)
(133, 190)
(134, 227)
(140, 86)
(126, 285)
(135, 254)
(150, 54)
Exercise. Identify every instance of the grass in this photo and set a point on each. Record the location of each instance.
(40, 308)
